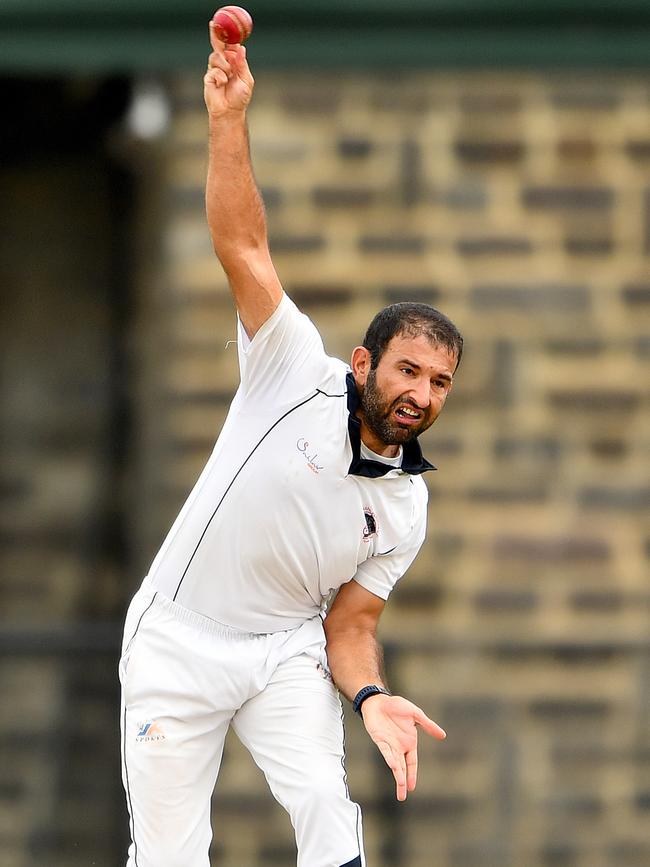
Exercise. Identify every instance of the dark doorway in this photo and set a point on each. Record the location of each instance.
(66, 220)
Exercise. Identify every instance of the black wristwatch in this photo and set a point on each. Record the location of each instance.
(365, 693)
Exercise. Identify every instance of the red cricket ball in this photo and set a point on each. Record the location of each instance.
(233, 24)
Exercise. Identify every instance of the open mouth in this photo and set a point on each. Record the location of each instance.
(408, 415)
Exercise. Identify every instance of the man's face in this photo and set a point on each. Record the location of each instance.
(406, 392)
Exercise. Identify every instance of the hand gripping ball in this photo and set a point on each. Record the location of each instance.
(232, 24)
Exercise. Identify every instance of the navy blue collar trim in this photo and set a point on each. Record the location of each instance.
(412, 460)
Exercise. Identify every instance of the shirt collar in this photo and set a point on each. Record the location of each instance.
(412, 460)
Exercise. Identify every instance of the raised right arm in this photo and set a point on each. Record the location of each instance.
(234, 206)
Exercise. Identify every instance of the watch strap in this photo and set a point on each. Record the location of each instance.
(365, 692)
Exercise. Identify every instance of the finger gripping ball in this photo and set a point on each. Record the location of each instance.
(233, 24)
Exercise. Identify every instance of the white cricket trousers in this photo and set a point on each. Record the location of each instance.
(186, 679)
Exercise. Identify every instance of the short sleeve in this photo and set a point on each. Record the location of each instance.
(380, 573)
(285, 360)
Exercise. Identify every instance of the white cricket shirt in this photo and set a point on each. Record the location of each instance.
(286, 509)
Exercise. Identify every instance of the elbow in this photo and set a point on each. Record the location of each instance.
(336, 620)
(232, 251)
(334, 629)
(247, 255)
(339, 628)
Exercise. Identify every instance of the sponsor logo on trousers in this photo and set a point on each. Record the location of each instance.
(149, 731)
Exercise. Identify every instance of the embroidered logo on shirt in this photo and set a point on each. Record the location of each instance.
(312, 458)
(370, 529)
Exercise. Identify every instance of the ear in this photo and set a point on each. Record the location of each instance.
(361, 364)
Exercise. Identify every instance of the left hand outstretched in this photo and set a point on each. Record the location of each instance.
(391, 721)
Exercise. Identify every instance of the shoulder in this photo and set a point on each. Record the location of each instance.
(335, 385)
(420, 498)
(420, 490)
(285, 315)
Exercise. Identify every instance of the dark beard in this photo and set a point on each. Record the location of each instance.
(377, 413)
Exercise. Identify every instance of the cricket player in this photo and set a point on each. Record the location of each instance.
(314, 491)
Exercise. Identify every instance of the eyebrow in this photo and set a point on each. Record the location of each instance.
(444, 376)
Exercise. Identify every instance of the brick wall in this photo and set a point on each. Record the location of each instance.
(520, 205)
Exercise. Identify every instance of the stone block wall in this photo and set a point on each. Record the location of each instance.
(520, 205)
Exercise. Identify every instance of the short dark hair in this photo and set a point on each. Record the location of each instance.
(413, 319)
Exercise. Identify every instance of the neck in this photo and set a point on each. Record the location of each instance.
(371, 441)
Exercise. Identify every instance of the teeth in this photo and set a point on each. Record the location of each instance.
(407, 411)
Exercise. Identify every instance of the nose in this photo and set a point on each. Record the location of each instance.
(420, 392)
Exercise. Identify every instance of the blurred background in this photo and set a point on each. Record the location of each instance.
(489, 157)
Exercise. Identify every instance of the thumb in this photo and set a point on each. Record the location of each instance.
(430, 727)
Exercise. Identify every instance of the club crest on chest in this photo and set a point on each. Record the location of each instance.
(370, 529)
